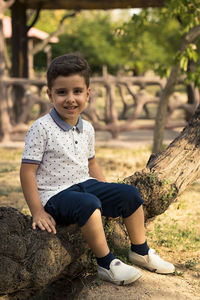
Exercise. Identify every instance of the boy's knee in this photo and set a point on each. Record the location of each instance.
(88, 206)
(132, 200)
(91, 202)
(131, 192)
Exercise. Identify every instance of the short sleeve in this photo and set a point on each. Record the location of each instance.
(91, 143)
(35, 143)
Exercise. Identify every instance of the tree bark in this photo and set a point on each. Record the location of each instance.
(4, 116)
(30, 260)
(19, 41)
(89, 4)
(193, 100)
(5, 125)
(168, 173)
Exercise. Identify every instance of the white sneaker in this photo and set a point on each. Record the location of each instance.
(152, 262)
(119, 273)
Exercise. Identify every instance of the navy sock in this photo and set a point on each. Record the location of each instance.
(141, 249)
(105, 261)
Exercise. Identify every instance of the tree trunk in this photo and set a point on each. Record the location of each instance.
(5, 125)
(19, 41)
(30, 260)
(167, 91)
(162, 109)
(193, 100)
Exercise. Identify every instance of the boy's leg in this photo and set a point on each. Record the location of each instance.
(135, 227)
(125, 200)
(94, 234)
(109, 268)
(75, 206)
(140, 254)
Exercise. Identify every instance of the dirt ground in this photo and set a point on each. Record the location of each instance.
(133, 139)
(149, 286)
(184, 285)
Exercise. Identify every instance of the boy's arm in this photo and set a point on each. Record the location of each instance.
(95, 170)
(29, 186)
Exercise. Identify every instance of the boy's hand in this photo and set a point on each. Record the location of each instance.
(44, 221)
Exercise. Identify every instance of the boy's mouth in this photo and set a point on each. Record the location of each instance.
(70, 107)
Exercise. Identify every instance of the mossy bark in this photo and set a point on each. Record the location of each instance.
(31, 260)
(168, 173)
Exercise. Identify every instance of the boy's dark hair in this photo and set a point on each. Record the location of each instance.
(66, 65)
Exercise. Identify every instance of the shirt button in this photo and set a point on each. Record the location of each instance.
(76, 142)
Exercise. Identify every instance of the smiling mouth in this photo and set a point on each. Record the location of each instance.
(71, 107)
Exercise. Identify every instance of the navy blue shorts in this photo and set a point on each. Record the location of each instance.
(77, 203)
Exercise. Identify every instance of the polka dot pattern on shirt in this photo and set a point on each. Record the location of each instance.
(62, 155)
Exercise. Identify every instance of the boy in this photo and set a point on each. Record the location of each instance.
(62, 182)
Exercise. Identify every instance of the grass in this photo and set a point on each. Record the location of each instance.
(175, 234)
(175, 237)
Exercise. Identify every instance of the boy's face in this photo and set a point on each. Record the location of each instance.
(69, 95)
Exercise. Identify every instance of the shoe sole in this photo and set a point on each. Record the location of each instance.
(121, 282)
(150, 269)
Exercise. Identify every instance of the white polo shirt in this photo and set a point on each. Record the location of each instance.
(61, 152)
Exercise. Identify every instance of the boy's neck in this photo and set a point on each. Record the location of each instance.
(69, 122)
(66, 125)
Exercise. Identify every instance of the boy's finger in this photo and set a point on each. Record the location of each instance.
(53, 221)
(40, 225)
(53, 228)
(51, 225)
(46, 225)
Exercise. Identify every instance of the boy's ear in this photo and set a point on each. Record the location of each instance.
(88, 93)
(49, 94)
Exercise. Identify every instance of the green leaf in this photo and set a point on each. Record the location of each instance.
(184, 63)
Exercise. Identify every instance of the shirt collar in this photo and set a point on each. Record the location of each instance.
(62, 124)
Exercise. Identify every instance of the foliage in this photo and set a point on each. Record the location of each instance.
(188, 13)
(149, 40)
(138, 44)
(153, 38)
(91, 34)
(53, 17)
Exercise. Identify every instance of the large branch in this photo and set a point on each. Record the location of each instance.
(30, 260)
(170, 172)
(37, 14)
(40, 46)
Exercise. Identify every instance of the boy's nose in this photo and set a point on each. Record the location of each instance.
(70, 98)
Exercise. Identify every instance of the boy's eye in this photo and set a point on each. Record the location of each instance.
(61, 92)
(78, 91)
